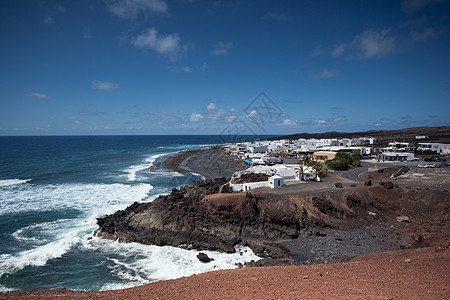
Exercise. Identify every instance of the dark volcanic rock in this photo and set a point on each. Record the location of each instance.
(214, 222)
(339, 185)
(251, 177)
(197, 216)
(203, 257)
(401, 171)
(368, 183)
(389, 185)
(267, 262)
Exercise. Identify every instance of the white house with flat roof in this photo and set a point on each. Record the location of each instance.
(395, 156)
(276, 181)
(436, 147)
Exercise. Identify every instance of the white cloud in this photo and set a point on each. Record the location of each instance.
(375, 44)
(319, 122)
(253, 114)
(163, 44)
(424, 35)
(369, 44)
(49, 20)
(130, 9)
(196, 118)
(213, 112)
(222, 48)
(339, 49)
(104, 85)
(324, 74)
(211, 106)
(204, 67)
(37, 95)
(175, 69)
(289, 123)
(61, 9)
(76, 120)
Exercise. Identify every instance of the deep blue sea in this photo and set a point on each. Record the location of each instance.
(52, 189)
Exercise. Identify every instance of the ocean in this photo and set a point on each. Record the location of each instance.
(53, 189)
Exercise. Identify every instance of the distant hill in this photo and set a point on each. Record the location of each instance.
(439, 134)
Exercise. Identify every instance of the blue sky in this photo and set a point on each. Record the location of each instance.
(209, 67)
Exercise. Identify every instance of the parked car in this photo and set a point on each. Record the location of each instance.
(422, 166)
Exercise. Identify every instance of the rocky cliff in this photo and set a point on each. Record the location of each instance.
(198, 216)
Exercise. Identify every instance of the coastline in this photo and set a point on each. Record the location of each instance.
(210, 163)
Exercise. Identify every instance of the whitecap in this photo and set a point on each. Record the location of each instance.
(147, 163)
(93, 200)
(11, 182)
(40, 255)
(40, 232)
(4, 289)
(103, 198)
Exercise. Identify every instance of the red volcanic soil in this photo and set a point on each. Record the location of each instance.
(404, 274)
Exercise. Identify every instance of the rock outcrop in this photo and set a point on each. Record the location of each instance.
(198, 216)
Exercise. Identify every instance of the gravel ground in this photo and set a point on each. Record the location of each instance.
(331, 245)
(406, 274)
(210, 163)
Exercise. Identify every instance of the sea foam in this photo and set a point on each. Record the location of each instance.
(98, 197)
(152, 263)
(11, 182)
(58, 237)
(147, 163)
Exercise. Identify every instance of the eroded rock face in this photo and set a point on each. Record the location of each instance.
(198, 216)
(190, 218)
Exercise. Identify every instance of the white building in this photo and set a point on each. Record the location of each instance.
(276, 182)
(395, 156)
(436, 147)
(398, 145)
(258, 149)
(306, 173)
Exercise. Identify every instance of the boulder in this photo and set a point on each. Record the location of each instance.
(268, 262)
(339, 185)
(403, 219)
(368, 183)
(388, 185)
(203, 257)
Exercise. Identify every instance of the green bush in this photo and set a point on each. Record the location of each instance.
(343, 162)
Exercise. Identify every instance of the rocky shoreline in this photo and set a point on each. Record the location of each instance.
(320, 227)
(329, 229)
(325, 226)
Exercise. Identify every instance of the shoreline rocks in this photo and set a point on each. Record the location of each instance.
(198, 217)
